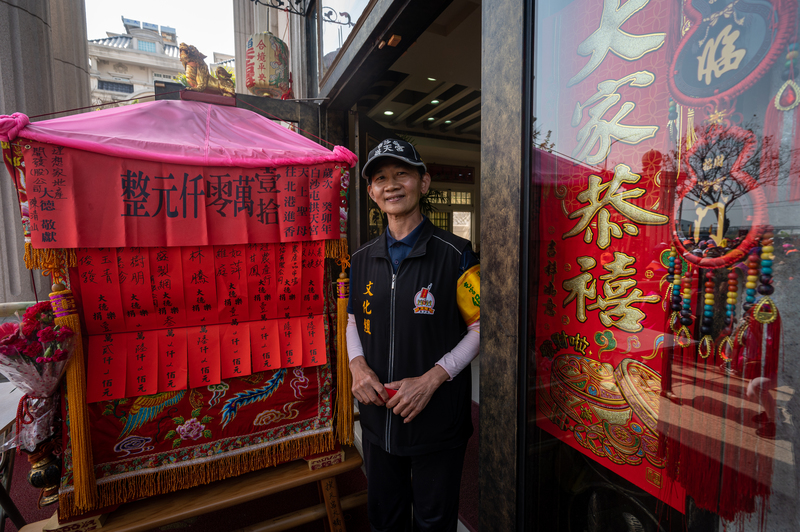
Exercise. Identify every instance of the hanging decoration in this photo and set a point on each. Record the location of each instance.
(717, 195)
(779, 109)
(267, 66)
(751, 36)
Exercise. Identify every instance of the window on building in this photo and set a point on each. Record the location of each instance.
(168, 77)
(147, 46)
(115, 87)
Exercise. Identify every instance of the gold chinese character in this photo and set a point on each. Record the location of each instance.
(596, 130)
(550, 308)
(366, 327)
(369, 289)
(581, 287)
(730, 57)
(616, 303)
(610, 38)
(366, 308)
(612, 198)
(701, 213)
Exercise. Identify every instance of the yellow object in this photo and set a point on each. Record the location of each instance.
(267, 66)
(468, 294)
(199, 78)
(66, 314)
(344, 379)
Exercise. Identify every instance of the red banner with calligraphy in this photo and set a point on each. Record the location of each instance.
(603, 227)
(72, 194)
(162, 319)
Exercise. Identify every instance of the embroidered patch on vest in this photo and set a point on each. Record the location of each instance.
(424, 301)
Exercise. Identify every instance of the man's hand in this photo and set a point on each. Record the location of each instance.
(414, 393)
(366, 386)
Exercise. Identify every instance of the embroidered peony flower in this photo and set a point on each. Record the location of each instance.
(191, 429)
(47, 334)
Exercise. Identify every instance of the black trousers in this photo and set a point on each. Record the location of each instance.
(430, 482)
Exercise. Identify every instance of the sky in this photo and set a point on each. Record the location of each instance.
(207, 24)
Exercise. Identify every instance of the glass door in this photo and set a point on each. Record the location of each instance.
(665, 193)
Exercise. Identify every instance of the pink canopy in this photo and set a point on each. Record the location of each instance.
(177, 131)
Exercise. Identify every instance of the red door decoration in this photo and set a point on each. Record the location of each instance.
(654, 307)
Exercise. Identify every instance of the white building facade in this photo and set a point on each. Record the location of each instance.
(125, 66)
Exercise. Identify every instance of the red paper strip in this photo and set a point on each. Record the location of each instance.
(312, 277)
(293, 203)
(262, 281)
(231, 279)
(235, 350)
(99, 287)
(167, 275)
(136, 290)
(199, 286)
(265, 346)
(142, 366)
(289, 294)
(313, 331)
(172, 360)
(107, 364)
(149, 203)
(323, 204)
(203, 355)
(291, 341)
(264, 218)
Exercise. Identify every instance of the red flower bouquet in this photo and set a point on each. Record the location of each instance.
(34, 355)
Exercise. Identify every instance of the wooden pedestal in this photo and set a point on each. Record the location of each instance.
(153, 512)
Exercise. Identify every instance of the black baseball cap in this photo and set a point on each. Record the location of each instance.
(396, 149)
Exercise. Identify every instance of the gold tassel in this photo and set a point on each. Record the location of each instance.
(49, 259)
(337, 249)
(66, 314)
(691, 136)
(122, 490)
(344, 379)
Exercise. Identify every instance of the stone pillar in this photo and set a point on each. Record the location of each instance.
(70, 49)
(248, 18)
(41, 47)
(502, 163)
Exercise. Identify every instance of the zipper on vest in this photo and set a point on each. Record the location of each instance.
(391, 359)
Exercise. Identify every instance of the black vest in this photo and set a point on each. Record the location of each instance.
(413, 319)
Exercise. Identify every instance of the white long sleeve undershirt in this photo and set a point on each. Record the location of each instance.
(453, 362)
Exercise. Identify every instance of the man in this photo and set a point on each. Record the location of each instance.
(413, 327)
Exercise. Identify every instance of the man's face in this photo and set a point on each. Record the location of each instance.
(397, 187)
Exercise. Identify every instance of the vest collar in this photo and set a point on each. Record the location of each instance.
(381, 248)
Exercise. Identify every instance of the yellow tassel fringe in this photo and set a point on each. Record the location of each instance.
(157, 483)
(336, 249)
(80, 433)
(344, 379)
(45, 259)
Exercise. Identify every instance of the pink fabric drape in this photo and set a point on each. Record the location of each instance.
(176, 131)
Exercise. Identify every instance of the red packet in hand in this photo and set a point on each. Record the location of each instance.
(390, 392)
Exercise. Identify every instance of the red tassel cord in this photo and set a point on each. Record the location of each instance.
(689, 418)
(770, 151)
(668, 410)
